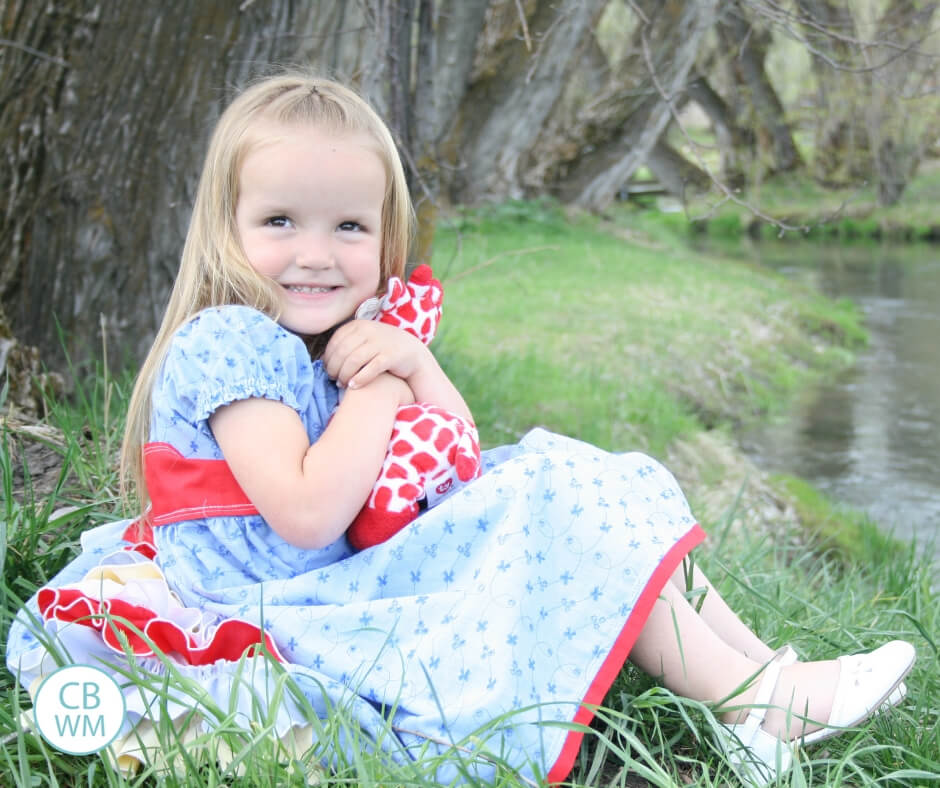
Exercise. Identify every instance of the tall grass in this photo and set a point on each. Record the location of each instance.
(562, 337)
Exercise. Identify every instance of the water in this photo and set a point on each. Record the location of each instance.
(870, 437)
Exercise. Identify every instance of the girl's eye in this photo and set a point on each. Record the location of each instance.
(278, 221)
(350, 226)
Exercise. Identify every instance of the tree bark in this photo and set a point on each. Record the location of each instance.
(104, 109)
(33, 70)
(899, 142)
(729, 136)
(840, 146)
(447, 40)
(422, 56)
(679, 176)
(504, 111)
(454, 34)
(635, 119)
(748, 46)
(866, 87)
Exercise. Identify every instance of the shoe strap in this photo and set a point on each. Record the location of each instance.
(765, 690)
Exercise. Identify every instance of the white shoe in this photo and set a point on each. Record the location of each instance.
(756, 756)
(787, 655)
(868, 683)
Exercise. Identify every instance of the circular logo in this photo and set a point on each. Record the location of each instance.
(79, 709)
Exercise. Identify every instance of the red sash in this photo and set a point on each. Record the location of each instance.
(185, 489)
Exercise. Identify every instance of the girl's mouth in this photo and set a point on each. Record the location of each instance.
(308, 290)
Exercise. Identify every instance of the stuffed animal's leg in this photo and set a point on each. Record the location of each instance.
(466, 459)
(430, 453)
(392, 504)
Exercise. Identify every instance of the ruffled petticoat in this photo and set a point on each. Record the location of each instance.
(516, 600)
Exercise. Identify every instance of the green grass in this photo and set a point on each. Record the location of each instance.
(624, 340)
(794, 206)
(835, 526)
(639, 344)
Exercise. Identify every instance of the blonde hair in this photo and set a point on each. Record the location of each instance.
(213, 268)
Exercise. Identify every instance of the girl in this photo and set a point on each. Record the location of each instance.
(514, 601)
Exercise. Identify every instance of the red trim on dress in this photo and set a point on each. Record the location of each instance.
(180, 489)
(121, 622)
(140, 535)
(621, 649)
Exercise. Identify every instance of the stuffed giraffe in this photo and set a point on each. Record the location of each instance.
(432, 451)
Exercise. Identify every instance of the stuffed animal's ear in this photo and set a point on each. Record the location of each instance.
(421, 275)
(395, 291)
(415, 306)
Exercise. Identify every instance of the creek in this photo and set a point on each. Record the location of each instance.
(869, 437)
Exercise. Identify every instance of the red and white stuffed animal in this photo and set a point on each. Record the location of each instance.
(432, 451)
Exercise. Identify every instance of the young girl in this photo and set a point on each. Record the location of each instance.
(512, 602)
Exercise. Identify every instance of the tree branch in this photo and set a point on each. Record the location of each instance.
(34, 52)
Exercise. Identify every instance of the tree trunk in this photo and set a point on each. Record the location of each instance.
(840, 148)
(104, 109)
(669, 38)
(748, 48)
(447, 39)
(421, 56)
(504, 111)
(677, 174)
(899, 142)
(33, 69)
(729, 136)
(867, 88)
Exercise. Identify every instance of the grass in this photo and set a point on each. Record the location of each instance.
(840, 528)
(627, 340)
(639, 344)
(793, 207)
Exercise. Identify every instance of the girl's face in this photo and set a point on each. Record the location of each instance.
(309, 216)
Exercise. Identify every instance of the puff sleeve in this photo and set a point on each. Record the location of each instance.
(230, 353)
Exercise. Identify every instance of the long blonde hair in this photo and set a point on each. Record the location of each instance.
(213, 268)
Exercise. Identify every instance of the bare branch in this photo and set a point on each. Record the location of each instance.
(34, 52)
(525, 25)
(790, 23)
(728, 193)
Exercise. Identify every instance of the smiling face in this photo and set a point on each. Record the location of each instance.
(309, 217)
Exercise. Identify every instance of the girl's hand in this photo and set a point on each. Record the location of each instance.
(361, 350)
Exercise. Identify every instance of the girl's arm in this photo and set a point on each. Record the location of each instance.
(362, 349)
(310, 493)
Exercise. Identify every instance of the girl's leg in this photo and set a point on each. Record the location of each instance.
(721, 619)
(678, 645)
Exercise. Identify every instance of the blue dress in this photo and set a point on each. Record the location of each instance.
(512, 602)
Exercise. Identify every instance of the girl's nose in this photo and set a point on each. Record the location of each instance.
(315, 251)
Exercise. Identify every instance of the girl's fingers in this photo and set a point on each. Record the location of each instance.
(367, 373)
(346, 367)
(340, 350)
(365, 363)
(360, 343)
